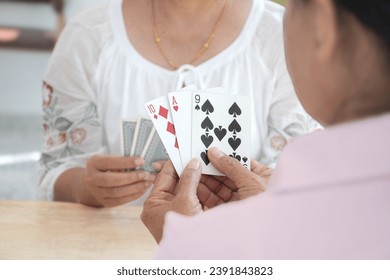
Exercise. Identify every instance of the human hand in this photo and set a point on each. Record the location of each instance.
(261, 170)
(171, 194)
(239, 183)
(158, 165)
(108, 182)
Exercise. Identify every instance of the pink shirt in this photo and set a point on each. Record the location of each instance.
(329, 198)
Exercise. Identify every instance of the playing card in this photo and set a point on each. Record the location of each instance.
(142, 131)
(127, 135)
(180, 104)
(154, 150)
(159, 112)
(222, 121)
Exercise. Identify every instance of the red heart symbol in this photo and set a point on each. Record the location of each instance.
(176, 108)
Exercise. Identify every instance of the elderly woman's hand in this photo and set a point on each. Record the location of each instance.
(108, 184)
(187, 195)
(171, 194)
(238, 184)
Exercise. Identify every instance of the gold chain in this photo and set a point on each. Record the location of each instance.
(198, 54)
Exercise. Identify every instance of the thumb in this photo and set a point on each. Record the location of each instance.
(166, 180)
(229, 166)
(189, 180)
(247, 183)
(186, 201)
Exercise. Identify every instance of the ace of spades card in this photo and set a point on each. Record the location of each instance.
(222, 121)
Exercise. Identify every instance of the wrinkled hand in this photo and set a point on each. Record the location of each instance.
(238, 184)
(188, 195)
(171, 194)
(108, 182)
(261, 170)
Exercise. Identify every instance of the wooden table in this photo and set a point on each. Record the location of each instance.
(56, 230)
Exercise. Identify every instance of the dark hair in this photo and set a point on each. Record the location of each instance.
(375, 14)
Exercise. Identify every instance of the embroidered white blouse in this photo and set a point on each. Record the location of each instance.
(96, 77)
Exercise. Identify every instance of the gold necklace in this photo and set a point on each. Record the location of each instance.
(205, 46)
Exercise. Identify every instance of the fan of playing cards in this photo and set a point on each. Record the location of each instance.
(139, 138)
(190, 121)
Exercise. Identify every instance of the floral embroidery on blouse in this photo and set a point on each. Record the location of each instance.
(305, 125)
(47, 92)
(63, 135)
(278, 142)
(78, 135)
(294, 130)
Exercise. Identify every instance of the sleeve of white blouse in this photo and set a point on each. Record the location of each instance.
(71, 124)
(287, 119)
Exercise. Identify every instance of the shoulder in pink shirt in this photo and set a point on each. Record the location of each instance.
(329, 198)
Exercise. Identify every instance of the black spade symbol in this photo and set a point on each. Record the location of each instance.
(234, 143)
(207, 124)
(237, 157)
(207, 140)
(220, 132)
(234, 127)
(244, 159)
(235, 110)
(197, 108)
(205, 158)
(207, 107)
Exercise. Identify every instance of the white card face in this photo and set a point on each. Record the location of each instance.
(180, 104)
(160, 114)
(222, 121)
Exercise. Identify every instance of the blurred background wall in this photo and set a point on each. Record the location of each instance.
(21, 71)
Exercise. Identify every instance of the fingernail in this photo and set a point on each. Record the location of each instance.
(139, 161)
(216, 153)
(156, 165)
(194, 164)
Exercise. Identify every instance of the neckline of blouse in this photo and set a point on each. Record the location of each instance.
(235, 48)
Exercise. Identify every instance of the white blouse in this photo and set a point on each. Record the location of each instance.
(96, 77)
